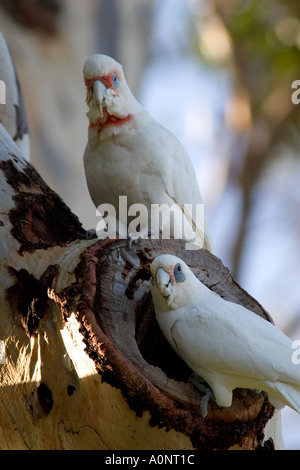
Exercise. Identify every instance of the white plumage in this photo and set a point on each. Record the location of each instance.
(130, 154)
(224, 343)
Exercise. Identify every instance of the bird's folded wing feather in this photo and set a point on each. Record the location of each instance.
(181, 183)
(224, 337)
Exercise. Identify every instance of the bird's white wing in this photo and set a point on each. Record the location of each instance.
(226, 338)
(178, 178)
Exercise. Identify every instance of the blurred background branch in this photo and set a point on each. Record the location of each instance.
(38, 15)
(265, 41)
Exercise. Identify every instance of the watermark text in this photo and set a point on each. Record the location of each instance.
(296, 94)
(296, 354)
(182, 222)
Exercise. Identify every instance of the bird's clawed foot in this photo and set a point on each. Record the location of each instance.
(204, 388)
(91, 234)
(143, 234)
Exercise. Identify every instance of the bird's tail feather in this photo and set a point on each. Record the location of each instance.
(203, 236)
(287, 394)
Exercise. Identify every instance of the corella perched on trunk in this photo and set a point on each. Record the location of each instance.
(130, 154)
(225, 344)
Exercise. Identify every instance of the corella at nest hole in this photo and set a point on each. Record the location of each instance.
(224, 343)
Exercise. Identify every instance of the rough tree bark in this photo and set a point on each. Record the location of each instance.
(83, 362)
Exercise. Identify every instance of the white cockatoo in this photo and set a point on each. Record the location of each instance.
(130, 154)
(225, 344)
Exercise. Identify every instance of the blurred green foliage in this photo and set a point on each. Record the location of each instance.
(266, 42)
(263, 43)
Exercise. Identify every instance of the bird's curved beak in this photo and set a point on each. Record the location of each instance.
(98, 94)
(163, 282)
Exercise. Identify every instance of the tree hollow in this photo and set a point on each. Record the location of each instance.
(129, 350)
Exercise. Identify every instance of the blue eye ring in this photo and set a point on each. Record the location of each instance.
(178, 273)
(115, 80)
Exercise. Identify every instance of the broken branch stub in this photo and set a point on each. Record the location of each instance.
(12, 109)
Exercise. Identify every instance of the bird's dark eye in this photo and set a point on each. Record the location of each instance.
(115, 80)
(178, 273)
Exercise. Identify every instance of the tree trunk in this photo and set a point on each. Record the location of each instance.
(83, 364)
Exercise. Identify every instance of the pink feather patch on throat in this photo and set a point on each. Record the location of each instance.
(171, 271)
(110, 121)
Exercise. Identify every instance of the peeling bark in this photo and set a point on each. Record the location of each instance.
(39, 217)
